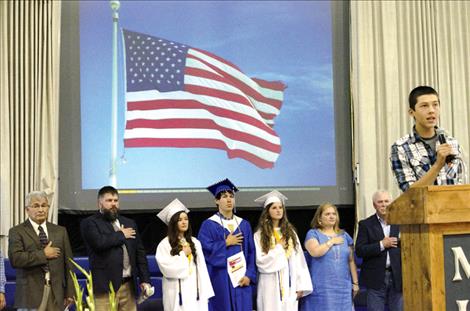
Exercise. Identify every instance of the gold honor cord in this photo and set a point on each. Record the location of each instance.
(290, 245)
(277, 238)
(184, 243)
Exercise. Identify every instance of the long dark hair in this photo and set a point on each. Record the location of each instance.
(265, 226)
(173, 238)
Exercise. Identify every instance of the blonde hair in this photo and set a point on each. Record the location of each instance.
(316, 223)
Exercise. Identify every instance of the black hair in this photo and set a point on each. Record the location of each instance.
(419, 91)
(219, 195)
(107, 189)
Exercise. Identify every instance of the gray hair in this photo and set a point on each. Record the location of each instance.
(34, 194)
(380, 191)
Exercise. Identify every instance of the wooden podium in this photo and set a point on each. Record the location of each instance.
(427, 215)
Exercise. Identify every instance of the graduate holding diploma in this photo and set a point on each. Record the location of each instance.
(227, 242)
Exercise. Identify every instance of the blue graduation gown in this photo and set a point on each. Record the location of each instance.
(211, 236)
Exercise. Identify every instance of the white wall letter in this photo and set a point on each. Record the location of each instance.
(459, 257)
(462, 304)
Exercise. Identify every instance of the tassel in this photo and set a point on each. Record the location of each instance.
(179, 293)
(197, 283)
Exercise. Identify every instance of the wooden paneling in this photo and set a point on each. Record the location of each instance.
(431, 205)
(436, 264)
(416, 271)
(425, 216)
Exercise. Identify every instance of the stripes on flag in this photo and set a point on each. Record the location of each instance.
(182, 97)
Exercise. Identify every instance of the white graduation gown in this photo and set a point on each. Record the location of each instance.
(275, 268)
(176, 268)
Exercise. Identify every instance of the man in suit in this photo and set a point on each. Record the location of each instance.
(115, 253)
(378, 244)
(39, 251)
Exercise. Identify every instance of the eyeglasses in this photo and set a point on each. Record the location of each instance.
(37, 206)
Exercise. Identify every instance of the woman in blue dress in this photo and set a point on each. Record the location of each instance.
(331, 263)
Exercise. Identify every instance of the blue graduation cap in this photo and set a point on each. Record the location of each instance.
(222, 185)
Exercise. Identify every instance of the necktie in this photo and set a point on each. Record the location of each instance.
(125, 257)
(43, 239)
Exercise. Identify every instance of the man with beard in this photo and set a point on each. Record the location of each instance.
(115, 253)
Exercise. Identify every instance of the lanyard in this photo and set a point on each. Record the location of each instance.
(223, 228)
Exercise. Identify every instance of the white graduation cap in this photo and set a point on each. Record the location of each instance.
(168, 211)
(271, 197)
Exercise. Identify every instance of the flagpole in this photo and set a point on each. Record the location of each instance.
(114, 4)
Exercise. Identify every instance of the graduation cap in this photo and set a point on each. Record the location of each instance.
(271, 197)
(222, 185)
(168, 211)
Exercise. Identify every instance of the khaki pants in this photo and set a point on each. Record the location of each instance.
(47, 302)
(125, 299)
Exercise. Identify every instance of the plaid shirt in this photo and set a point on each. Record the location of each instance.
(411, 158)
(3, 280)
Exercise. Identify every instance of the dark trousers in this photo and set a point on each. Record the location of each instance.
(387, 295)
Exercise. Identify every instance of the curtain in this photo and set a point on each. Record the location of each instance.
(396, 46)
(29, 93)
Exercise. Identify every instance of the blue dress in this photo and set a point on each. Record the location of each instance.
(212, 236)
(331, 276)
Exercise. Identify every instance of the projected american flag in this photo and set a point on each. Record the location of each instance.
(183, 97)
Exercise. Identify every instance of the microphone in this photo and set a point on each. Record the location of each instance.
(442, 140)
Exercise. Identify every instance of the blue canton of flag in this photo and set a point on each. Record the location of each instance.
(154, 63)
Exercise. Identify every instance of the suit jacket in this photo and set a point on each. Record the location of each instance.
(372, 273)
(27, 256)
(104, 246)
